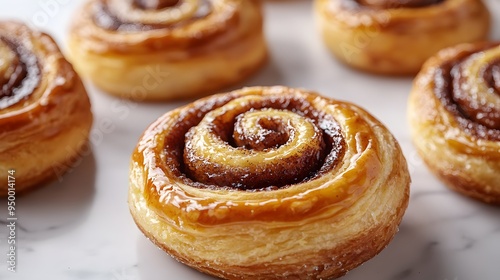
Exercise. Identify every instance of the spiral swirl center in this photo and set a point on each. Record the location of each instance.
(260, 130)
(19, 72)
(253, 142)
(253, 156)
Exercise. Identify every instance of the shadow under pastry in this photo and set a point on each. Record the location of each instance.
(410, 256)
(58, 206)
(155, 264)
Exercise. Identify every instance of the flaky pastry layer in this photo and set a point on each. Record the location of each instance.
(317, 228)
(390, 38)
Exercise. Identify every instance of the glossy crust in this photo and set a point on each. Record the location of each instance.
(183, 57)
(319, 227)
(43, 132)
(461, 151)
(388, 38)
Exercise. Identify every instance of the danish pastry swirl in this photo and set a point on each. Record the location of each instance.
(264, 143)
(269, 183)
(454, 111)
(45, 114)
(397, 37)
(166, 49)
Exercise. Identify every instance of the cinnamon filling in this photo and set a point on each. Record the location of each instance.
(19, 72)
(265, 133)
(492, 75)
(472, 112)
(155, 4)
(273, 133)
(105, 18)
(395, 4)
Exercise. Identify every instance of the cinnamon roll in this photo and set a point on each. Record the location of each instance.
(396, 37)
(454, 112)
(167, 49)
(45, 114)
(269, 183)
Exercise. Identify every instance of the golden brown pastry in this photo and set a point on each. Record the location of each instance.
(396, 37)
(269, 183)
(45, 114)
(454, 112)
(167, 49)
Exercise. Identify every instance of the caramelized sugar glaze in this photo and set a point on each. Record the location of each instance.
(269, 142)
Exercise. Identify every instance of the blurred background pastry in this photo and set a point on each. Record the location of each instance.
(454, 113)
(167, 49)
(396, 37)
(45, 115)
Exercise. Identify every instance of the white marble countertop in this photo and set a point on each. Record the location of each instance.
(80, 227)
